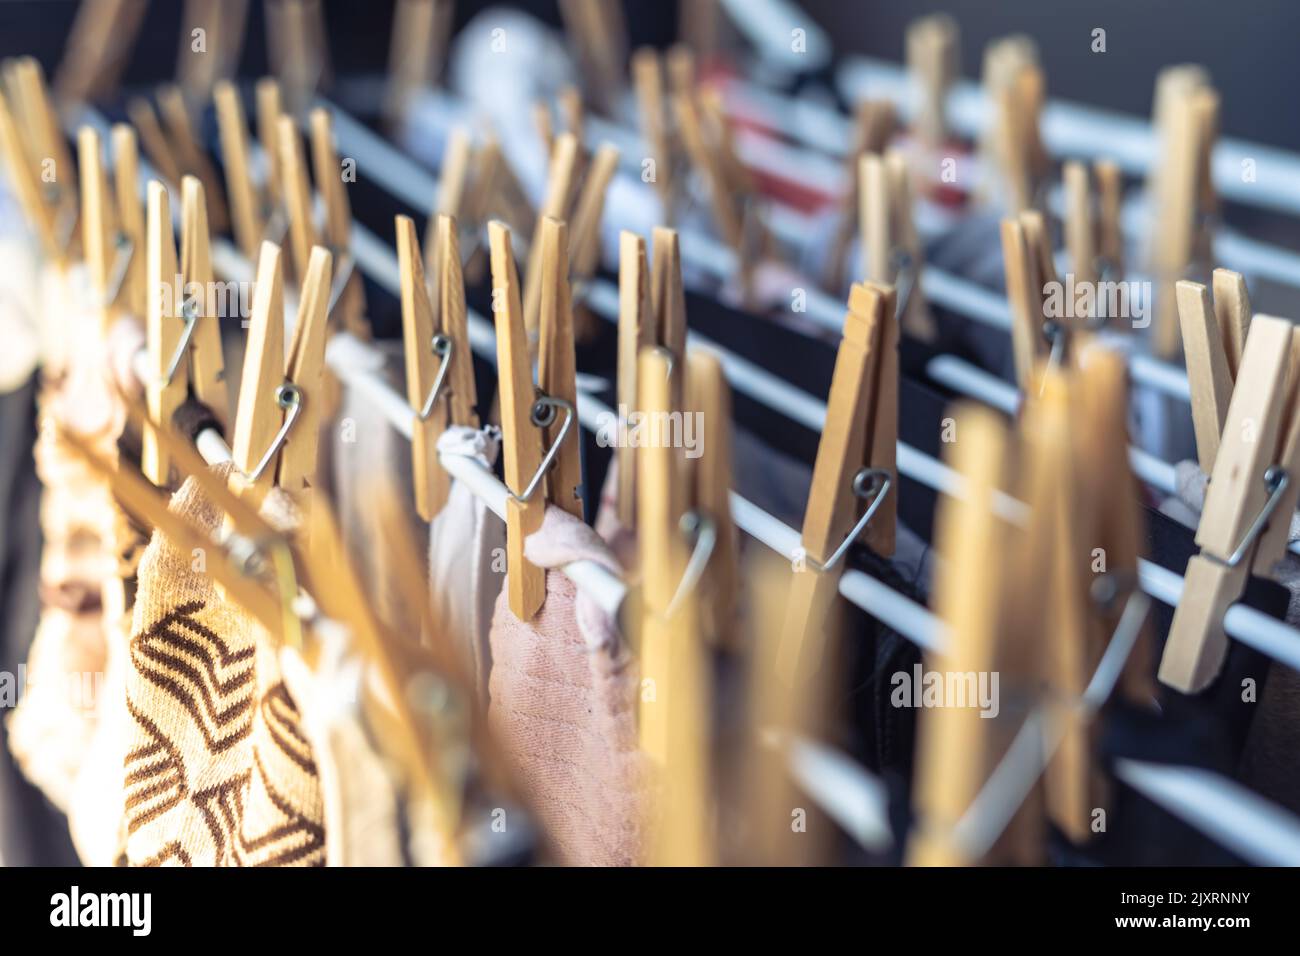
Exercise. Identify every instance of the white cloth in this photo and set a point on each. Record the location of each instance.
(467, 558)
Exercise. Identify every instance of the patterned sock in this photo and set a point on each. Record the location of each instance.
(218, 770)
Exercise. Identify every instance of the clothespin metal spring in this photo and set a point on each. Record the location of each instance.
(1276, 481)
(542, 415)
(872, 483)
(289, 397)
(442, 346)
(704, 531)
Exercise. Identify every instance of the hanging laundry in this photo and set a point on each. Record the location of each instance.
(467, 558)
(219, 771)
(563, 700)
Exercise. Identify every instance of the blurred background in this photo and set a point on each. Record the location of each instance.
(1249, 47)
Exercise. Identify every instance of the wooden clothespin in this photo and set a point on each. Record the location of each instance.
(439, 365)
(246, 206)
(1080, 233)
(598, 39)
(1242, 483)
(667, 294)
(276, 396)
(1110, 196)
(521, 444)
(298, 51)
(1014, 84)
(97, 218)
(556, 204)
(26, 182)
(165, 390)
(98, 48)
(130, 217)
(296, 187)
(1213, 339)
(351, 305)
(675, 715)
(557, 367)
(932, 63)
(181, 321)
(958, 747)
(206, 367)
(212, 37)
(155, 142)
(190, 155)
(1112, 539)
(840, 481)
(636, 330)
(1058, 552)
(708, 400)
(573, 113)
(43, 140)
(588, 210)
(1186, 117)
(269, 111)
(1027, 259)
(873, 127)
(656, 129)
(890, 244)
(416, 52)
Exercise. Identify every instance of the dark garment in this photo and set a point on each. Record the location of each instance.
(32, 831)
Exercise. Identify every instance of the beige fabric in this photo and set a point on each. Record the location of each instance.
(218, 769)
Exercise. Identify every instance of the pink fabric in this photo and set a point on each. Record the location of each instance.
(620, 538)
(563, 703)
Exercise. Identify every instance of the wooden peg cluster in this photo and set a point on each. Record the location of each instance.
(298, 50)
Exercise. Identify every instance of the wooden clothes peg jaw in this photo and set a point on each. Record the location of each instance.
(1208, 374)
(521, 444)
(246, 205)
(130, 218)
(556, 204)
(165, 390)
(97, 220)
(206, 368)
(675, 717)
(349, 299)
(557, 367)
(636, 330)
(26, 184)
(889, 240)
(296, 187)
(428, 359)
